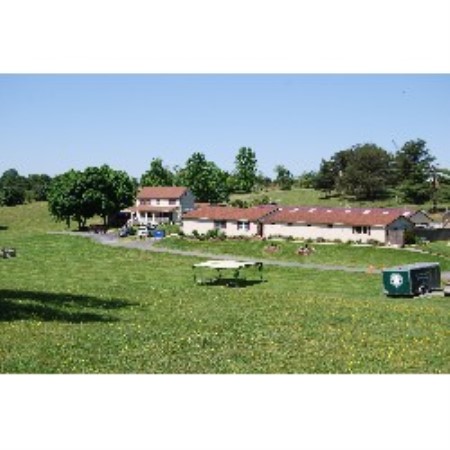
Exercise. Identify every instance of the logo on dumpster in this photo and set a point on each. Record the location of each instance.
(396, 280)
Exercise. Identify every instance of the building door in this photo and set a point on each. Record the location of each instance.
(396, 237)
(260, 229)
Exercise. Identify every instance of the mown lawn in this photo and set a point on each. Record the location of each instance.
(69, 305)
(334, 254)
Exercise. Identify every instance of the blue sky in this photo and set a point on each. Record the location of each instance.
(51, 123)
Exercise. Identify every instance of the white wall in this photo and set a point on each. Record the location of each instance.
(344, 233)
(203, 226)
(185, 203)
(154, 202)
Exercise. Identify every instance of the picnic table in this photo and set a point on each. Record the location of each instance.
(216, 271)
(8, 252)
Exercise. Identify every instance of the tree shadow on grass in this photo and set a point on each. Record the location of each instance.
(60, 307)
(3, 228)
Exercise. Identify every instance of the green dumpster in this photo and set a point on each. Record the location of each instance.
(412, 279)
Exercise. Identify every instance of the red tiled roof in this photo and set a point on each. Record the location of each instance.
(229, 213)
(162, 192)
(345, 216)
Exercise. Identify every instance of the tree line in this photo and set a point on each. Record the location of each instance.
(16, 189)
(362, 172)
(368, 172)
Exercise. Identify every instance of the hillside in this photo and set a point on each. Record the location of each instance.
(298, 196)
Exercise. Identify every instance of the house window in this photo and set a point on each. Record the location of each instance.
(361, 230)
(330, 225)
(158, 201)
(243, 226)
(220, 224)
(172, 201)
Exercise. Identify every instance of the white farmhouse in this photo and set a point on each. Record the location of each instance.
(161, 204)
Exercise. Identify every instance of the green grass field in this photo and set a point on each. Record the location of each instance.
(299, 196)
(327, 254)
(69, 305)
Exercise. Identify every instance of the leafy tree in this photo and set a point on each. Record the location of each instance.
(263, 181)
(363, 171)
(413, 170)
(157, 175)
(38, 185)
(106, 191)
(367, 172)
(12, 188)
(206, 180)
(65, 198)
(307, 180)
(340, 161)
(245, 169)
(96, 191)
(326, 178)
(284, 178)
(120, 192)
(442, 186)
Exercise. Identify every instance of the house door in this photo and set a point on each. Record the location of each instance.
(396, 237)
(260, 229)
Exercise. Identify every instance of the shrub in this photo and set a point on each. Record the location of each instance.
(170, 228)
(238, 203)
(212, 234)
(410, 237)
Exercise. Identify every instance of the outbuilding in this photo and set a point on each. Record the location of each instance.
(231, 221)
(384, 225)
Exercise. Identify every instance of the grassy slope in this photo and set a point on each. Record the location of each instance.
(68, 305)
(342, 254)
(298, 196)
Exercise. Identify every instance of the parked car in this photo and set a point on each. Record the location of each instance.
(142, 231)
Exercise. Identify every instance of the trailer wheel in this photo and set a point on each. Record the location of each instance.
(423, 289)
